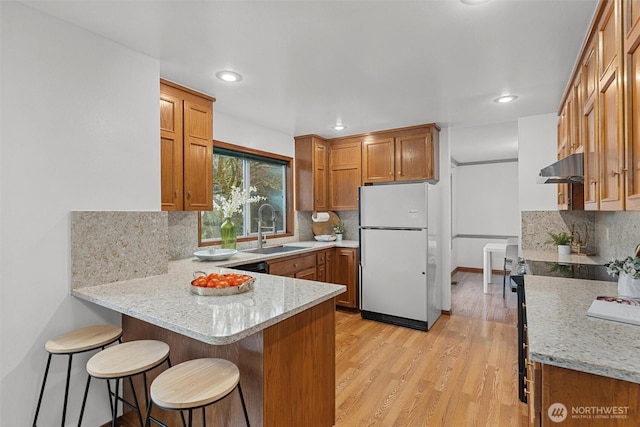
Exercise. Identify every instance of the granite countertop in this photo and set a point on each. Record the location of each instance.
(552, 256)
(561, 334)
(166, 301)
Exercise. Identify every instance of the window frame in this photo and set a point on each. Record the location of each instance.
(288, 188)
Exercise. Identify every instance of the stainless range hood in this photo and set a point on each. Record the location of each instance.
(568, 170)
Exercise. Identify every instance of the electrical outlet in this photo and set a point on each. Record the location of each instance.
(531, 229)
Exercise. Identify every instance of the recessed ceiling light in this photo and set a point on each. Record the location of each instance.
(473, 2)
(338, 126)
(505, 99)
(228, 76)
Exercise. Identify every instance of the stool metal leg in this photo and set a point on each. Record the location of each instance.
(66, 391)
(115, 403)
(135, 399)
(44, 381)
(84, 400)
(244, 407)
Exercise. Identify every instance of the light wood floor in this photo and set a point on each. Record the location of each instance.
(463, 372)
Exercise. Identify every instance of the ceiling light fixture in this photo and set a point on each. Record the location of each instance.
(505, 99)
(229, 76)
(338, 126)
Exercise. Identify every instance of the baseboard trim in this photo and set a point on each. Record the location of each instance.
(473, 270)
(447, 312)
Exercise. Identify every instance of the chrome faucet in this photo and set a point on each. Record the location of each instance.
(260, 227)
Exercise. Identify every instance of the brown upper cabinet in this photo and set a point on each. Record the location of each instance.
(604, 92)
(407, 154)
(328, 172)
(311, 173)
(631, 34)
(186, 148)
(345, 160)
(610, 111)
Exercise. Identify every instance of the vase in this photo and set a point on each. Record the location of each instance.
(564, 249)
(338, 237)
(228, 238)
(628, 286)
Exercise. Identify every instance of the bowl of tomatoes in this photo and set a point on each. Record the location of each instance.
(221, 283)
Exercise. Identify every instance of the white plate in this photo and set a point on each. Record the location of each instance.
(325, 238)
(215, 254)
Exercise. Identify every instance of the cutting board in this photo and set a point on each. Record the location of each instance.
(320, 228)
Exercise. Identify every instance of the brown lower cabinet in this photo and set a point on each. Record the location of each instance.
(335, 265)
(566, 397)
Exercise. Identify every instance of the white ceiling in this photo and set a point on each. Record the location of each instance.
(370, 64)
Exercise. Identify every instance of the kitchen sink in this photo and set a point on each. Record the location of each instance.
(274, 249)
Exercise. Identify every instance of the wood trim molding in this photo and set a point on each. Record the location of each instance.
(387, 131)
(247, 150)
(473, 270)
(188, 90)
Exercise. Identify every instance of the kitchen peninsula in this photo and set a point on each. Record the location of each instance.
(586, 367)
(281, 334)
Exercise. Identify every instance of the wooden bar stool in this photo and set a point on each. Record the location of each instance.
(74, 342)
(123, 361)
(195, 384)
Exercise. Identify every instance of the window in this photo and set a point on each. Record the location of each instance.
(269, 174)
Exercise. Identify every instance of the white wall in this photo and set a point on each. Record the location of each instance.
(486, 204)
(79, 131)
(537, 148)
(227, 128)
(445, 218)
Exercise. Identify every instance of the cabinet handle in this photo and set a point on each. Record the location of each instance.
(614, 173)
(188, 194)
(526, 392)
(524, 305)
(399, 172)
(295, 265)
(524, 326)
(528, 381)
(390, 173)
(527, 362)
(524, 346)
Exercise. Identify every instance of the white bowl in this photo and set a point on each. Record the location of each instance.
(325, 238)
(215, 254)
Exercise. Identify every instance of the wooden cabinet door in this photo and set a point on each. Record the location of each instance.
(344, 175)
(171, 152)
(307, 274)
(414, 157)
(563, 189)
(534, 393)
(589, 124)
(611, 111)
(378, 160)
(328, 265)
(310, 170)
(631, 19)
(320, 175)
(576, 139)
(344, 273)
(198, 156)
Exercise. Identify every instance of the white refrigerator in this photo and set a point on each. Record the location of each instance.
(399, 254)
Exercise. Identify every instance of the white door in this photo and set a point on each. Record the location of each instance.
(393, 272)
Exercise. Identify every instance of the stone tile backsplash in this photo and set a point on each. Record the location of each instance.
(610, 234)
(113, 246)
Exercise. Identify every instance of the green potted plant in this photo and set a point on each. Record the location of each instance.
(339, 230)
(628, 272)
(562, 240)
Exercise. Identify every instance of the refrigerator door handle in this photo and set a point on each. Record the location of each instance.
(362, 246)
